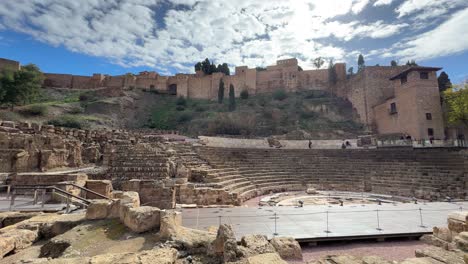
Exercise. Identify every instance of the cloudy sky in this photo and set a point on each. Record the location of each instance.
(118, 36)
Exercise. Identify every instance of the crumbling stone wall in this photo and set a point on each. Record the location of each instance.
(165, 194)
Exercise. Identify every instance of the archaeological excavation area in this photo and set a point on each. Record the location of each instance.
(143, 196)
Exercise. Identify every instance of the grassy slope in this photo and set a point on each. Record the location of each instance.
(307, 114)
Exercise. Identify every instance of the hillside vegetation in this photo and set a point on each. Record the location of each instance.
(305, 114)
(300, 115)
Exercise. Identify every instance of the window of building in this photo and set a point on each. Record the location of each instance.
(393, 109)
(404, 79)
(424, 75)
(428, 116)
(430, 132)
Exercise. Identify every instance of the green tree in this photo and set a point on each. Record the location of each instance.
(244, 94)
(6, 81)
(361, 63)
(411, 63)
(350, 72)
(232, 98)
(21, 87)
(456, 102)
(225, 69)
(393, 63)
(444, 81)
(198, 66)
(221, 92)
(332, 77)
(318, 62)
(206, 66)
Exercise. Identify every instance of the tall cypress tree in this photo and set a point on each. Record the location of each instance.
(221, 92)
(444, 81)
(332, 77)
(361, 63)
(232, 98)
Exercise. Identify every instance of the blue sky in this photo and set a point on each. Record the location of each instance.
(169, 36)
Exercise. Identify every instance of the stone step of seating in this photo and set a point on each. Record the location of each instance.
(238, 185)
(138, 169)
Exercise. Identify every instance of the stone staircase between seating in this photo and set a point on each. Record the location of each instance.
(139, 161)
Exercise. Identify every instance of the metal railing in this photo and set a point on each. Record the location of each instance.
(41, 190)
(423, 143)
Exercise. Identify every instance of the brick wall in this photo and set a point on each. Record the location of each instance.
(9, 64)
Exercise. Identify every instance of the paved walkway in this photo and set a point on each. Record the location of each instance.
(310, 222)
(23, 203)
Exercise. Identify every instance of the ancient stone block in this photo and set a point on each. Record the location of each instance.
(443, 233)
(99, 209)
(142, 219)
(287, 247)
(270, 258)
(257, 244)
(103, 187)
(462, 241)
(441, 255)
(16, 239)
(171, 221)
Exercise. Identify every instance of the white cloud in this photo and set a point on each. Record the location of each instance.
(359, 5)
(425, 9)
(446, 39)
(241, 32)
(382, 2)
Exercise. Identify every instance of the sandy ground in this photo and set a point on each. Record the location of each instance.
(394, 250)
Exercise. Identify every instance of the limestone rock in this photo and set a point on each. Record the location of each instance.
(287, 247)
(311, 191)
(98, 209)
(142, 219)
(374, 260)
(441, 255)
(7, 244)
(457, 221)
(343, 259)
(224, 234)
(16, 239)
(443, 233)
(170, 224)
(270, 258)
(155, 256)
(421, 261)
(462, 241)
(257, 244)
(11, 218)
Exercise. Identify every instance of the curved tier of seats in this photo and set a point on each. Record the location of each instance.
(423, 173)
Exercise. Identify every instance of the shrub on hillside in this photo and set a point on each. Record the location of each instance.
(34, 110)
(184, 117)
(180, 108)
(181, 101)
(244, 94)
(88, 96)
(229, 125)
(76, 110)
(280, 95)
(68, 121)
